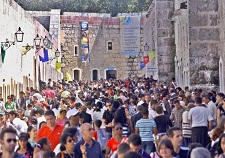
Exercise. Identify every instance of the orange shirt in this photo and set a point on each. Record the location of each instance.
(53, 136)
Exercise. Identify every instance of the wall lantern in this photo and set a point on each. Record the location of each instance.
(37, 41)
(18, 38)
(63, 59)
(146, 47)
(57, 53)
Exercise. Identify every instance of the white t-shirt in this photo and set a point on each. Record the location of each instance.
(199, 116)
(212, 108)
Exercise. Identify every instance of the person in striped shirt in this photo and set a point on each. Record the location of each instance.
(146, 127)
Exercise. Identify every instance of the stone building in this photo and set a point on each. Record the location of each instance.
(196, 45)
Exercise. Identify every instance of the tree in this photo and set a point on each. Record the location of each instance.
(97, 6)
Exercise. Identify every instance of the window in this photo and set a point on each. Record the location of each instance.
(109, 45)
(76, 50)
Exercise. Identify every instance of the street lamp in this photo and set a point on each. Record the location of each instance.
(63, 59)
(47, 43)
(146, 47)
(57, 53)
(18, 38)
(67, 63)
(37, 41)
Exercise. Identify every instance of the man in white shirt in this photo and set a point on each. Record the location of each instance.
(211, 106)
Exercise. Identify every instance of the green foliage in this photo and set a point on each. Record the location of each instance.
(92, 6)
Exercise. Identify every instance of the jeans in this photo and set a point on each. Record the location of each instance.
(148, 147)
(186, 141)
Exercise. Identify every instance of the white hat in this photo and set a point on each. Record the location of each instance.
(72, 112)
(42, 100)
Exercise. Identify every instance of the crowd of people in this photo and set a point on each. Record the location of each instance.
(132, 118)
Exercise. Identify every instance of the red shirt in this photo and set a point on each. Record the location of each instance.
(53, 136)
(112, 144)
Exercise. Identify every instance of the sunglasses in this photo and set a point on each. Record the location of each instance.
(9, 140)
(71, 140)
(119, 128)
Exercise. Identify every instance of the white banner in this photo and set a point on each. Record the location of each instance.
(130, 35)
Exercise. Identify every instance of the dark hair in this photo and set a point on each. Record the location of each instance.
(40, 111)
(41, 124)
(153, 102)
(132, 154)
(49, 112)
(120, 116)
(49, 154)
(98, 106)
(170, 131)
(198, 100)
(159, 109)
(219, 149)
(73, 99)
(7, 130)
(63, 140)
(176, 101)
(167, 143)
(70, 130)
(42, 142)
(116, 104)
(134, 139)
(144, 111)
(139, 108)
(98, 123)
(29, 129)
(123, 148)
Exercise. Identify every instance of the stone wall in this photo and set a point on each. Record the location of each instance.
(101, 30)
(204, 39)
(159, 35)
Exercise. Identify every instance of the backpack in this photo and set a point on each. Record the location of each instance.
(102, 138)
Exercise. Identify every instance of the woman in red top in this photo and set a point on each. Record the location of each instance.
(115, 141)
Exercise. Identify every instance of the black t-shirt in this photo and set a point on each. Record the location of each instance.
(163, 123)
(182, 154)
(108, 116)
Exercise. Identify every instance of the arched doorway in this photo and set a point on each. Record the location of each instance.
(76, 75)
(111, 74)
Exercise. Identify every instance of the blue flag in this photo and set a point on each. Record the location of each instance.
(142, 65)
(46, 58)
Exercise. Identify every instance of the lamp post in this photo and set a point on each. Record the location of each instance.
(18, 38)
(146, 47)
(37, 42)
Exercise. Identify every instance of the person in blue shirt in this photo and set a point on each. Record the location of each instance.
(87, 147)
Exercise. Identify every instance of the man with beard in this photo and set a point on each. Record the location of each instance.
(8, 143)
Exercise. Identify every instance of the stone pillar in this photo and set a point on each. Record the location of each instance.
(165, 40)
(204, 39)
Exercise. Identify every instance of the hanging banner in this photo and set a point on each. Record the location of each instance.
(130, 35)
(85, 42)
(142, 65)
(152, 55)
(145, 59)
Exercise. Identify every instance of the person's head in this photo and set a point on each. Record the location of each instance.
(190, 106)
(67, 142)
(8, 139)
(20, 112)
(198, 100)
(144, 112)
(9, 99)
(12, 115)
(219, 97)
(206, 98)
(72, 131)
(86, 131)
(134, 142)
(200, 152)
(118, 129)
(175, 136)
(62, 113)
(97, 124)
(23, 140)
(73, 115)
(139, 108)
(31, 130)
(42, 124)
(122, 149)
(216, 133)
(154, 103)
(49, 154)
(147, 98)
(44, 144)
(176, 103)
(193, 146)
(39, 112)
(165, 148)
(108, 104)
(221, 145)
(159, 109)
(132, 154)
(50, 118)
(98, 106)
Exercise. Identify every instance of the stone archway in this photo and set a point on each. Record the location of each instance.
(77, 74)
(95, 74)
